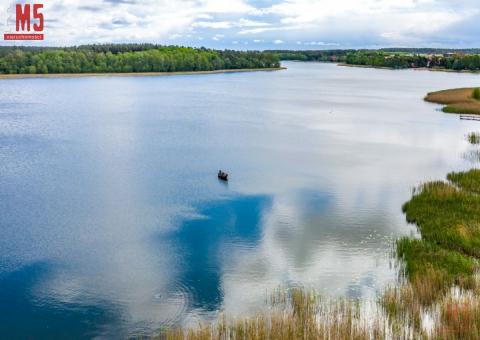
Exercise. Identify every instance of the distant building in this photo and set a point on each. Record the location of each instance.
(454, 54)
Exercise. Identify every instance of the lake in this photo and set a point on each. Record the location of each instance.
(114, 223)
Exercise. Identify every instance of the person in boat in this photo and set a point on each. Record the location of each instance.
(222, 175)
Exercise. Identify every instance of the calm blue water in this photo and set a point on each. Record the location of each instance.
(114, 224)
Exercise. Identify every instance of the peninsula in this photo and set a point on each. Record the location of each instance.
(465, 100)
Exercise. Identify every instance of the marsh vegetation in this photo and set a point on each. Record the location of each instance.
(476, 93)
(457, 100)
(293, 314)
(473, 138)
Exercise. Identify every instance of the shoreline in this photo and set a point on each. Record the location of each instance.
(136, 74)
(368, 66)
(410, 68)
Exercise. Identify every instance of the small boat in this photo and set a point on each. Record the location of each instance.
(222, 175)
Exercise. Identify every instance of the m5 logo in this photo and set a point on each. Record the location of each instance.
(27, 17)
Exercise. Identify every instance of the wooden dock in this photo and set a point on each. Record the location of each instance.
(470, 117)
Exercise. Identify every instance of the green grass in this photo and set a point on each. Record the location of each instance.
(476, 93)
(460, 110)
(421, 256)
(468, 181)
(447, 216)
(433, 270)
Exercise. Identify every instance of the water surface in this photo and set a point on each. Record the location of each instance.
(114, 224)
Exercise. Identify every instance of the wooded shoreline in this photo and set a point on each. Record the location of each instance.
(134, 74)
(439, 69)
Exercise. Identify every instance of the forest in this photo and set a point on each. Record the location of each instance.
(313, 55)
(124, 58)
(449, 61)
(395, 58)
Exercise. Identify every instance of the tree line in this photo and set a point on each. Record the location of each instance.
(313, 55)
(123, 58)
(431, 50)
(400, 58)
(450, 60)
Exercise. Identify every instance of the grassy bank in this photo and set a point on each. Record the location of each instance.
(133, 74)
(473, 138)
(465, 100)
(442, 266)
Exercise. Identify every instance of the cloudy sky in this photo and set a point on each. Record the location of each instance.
(260, 24)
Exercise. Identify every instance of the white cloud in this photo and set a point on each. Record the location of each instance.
(266, 29)
(359, 23)
(71, 22)
(398, 21)
(307, 11)
(229, 24)
(230, 6)
(251, 23)
(317, 43)
(212, 24)
(205, 16)
(278, 41)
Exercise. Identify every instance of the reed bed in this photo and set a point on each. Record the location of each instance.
(459, 316)
(468, 181)
(457, 100)
(447, 215)
(295, 314)
(476, 93)
(442, 266)
(474, 138)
